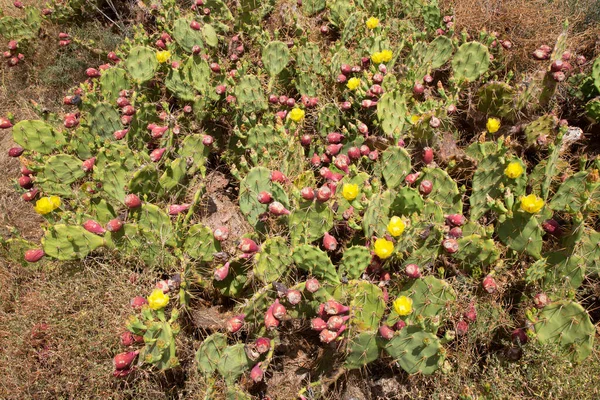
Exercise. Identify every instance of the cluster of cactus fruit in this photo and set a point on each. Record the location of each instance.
(362, 228)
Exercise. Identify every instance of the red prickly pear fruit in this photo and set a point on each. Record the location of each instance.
(88, 165)
(214, 67)
(342, 161)
(264, 197)
(471, 313)
(276, 208)
(221, 233)
(428, 155)
(341, 78)
(256, 373)
(345, 105)
(120, 134)
(326, 173)
(220, 89)
(63, 35)
(363, 128)
(127, 338)
(123, 360)
(317, 324)
(541, 300)
(324, 29)
(248, 246)
(552, 227)
(385, 294)
(334, 137)
(63, 43)
(434, 122)
(354, 153)
(70, 122)
(305, 140)
(559, 65)
(386, 332)
(312, 285)
(332, 307)
(580, 60)
(262, 344)
(374, 155)
(345, 69)
(281, 114)
(196, 49)
(333, 149)
(34, 255)
(163, 285)
(270, 321)
(489, 284)
(290, 102)
(307, 193)
(507, 44)
(277, 176)
(293, 297)
(187, 109)
(313, 102)
(519, 336)
(128, 110)
(132, 201)
(126, 119)
(29, 196)
(425, 187)
(378, 78)
(455, 233)
(384, 276)
(333, 185)
(15, 151)
(428, 79)
(166, 37)
(114, 225)
(273, 99)
(399, 325)
(462, 328)
(324, 193)
(315, 160)
(451, 109)
(92, 72)
(456, 220)
(335, 322)
(18, 4)
(207, 140)
(112, 56)
(104, 67)
(160, 44)
(279, 310)
(540, 54)
(25, 182)
(364, 150)
(5, 123)
(234, 324)
(138, 302)
(94, 227)
(175, 209)
(376, 90)
(327, 336)
(559, 76)
(221, 272)
(157, 154)
(329, 242)
(122, 102)
(122, 373)
(450, 245)
(46, 11)
(418, 89)
(368, 103)
(412, 271)
(382, 68)
(195, 25)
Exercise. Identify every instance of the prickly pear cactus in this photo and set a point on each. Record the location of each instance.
(471, 60)
(416, 351)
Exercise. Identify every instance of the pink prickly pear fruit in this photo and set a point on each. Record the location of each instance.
(138, 302)
(18, 4)
(293, 296)
(277, 176)
(276, 208)
(559, 76)
(315, 160)
(307, 193)
(63, 43)
(270, 321)
(345, 69)
(317, 324)
(282, 99)
(15, 151)
(386, 332)
(540, 54)
(127, 338)
(264, 197)
(123, 360)
(248, 246)
(214, 67)
(290, 102)
(451, 109)
(462, 328)
(425, 187)
(333, 149)
(234, 324)
(324, 193)
(221, 233)
(456, 220)
(326, 173)
(47, 11)
(12, 45)
(122, 373)
(112, 56)
(334, 137)
(25, 182)
(363, 128)
(221, 272)
(345, 105)
(312, 285)
(94, 227)
(132, 201)
(364, 150)
(489, 284)
(329, 242)
(70, 122)
(220, 89)
(368, 103)
(175, 209)
(335, 322)
(195, 25)
(88, 165)
(412, 271)
(399, 325)
(455, 233)
(13, 61)
(471, 313)
(207, 140)
(374, 155)
(273, 99)
(376, 90)
(342, 161)
(63, 35)
(34, 255)
(305, 140)
(262, 344)
(418, 89)
(92, 72)
(104, 67)
(428, 79)
(450, 245)
(281, 114)
(332, 307)
(256, 373)
(5, 123)
(124, 101)
(157, 154)
(163, 285)
(114, 225)
(7, 54)
(187, 109)
(341, 78)
(541, 300)
(120, 134)
(378, 78)
(160, 44)
(580, 60)
(428, 155)
(507, 44)
(279, 310)
(327, 336)
(519, 336)
(196, 49)
(552, 227)
(434, 122)
(324, 29)
(29, 196)
(354, 153)
(128, 110)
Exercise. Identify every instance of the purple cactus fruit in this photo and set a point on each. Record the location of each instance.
(93, 227)
(138, 302)
(220, 89)
(519, 336)
(541, 300)
(386, 332)
(451, 109)
(559, 76)
(428, 79)
(425, 187)
(34, 255)
(335, 322)
(329, 242)
(462, 328)
(5, 123)
(378, 78)
(455, 233)
(317, 324)
(293, 297)
(345, 69)
(418, 89)
(450, 245)
(412, 271)
(221, 233)
(30, 195)
(92, 73)
(399, 325)
(270, 321)
(25, 182)
(214, 67)
(264, 197)
(256, 373)
(552, 227)
(327, 336)
(332, 307)
(427, 155)
(88, 165)
(540, 54)
(456, 220)
(114, 225)
(305, 140)
(324, 29)
(489, 284)
(248, 246)
(324, 193)
(312, 285)
(334, 137)
(123, 361)
(234, 324)
(341, 78)
(276, 208)
(507, 44)
(208, 140)
(221, 272)
(279, 177)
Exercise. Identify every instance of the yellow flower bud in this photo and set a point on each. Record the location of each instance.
(353, 83)
(163, 56)
(514, 170)
(492, 125)
(532, 203)
(396, 226)
(297, 114)
(350, 191)
(158, 300)
(372, 23)
(403, 305)
(383, 248)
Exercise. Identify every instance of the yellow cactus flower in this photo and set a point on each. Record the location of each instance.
(492, 125)
(163, 56)
(46, 205)
(414, 118)
(386, 55)
(403, 305)
(532, 203)
(372, 23)
(297, 114)
(350, 191)
(158, 300)
(377, 58)
(396, 226)
(353, 83)
(383, 248)
(514, 170)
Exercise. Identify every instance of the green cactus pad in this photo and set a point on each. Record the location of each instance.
(309, 222)
(416, 350)
(362, 349)
(474, 250)
(407, 202)
(155, 220)
(522, 232)
(174, 175)
(258, 180)
(366, 305)
(438, 52)
(589, 250)
(315, 261)
(250, 94)
(17, 28)
(329, 119)
(308, 58)
(210, 352)
(70, 242)
(273, 260)
(144, 180)
(104, 120)
(592, 110)
(392, 112)
(375, 219)
(112, 82)
(571, 194)
(38, 136)
(311, 7)
(192, 149)
(200, 243)
(496, 99)
(114, 177)
(395, 163)
(470, 61)
(355, 261)
(160, 346)
(568, 325)
(141, 63)
(564, 269)
(235, 282)
(544, 127)
(233, 363)
(596, 73)
(197, 74)
(179, 86)
(185, 36)
(62, 168)
(445, 191)
(275, 57)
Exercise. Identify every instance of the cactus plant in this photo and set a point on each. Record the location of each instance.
(416, 350)
(471, 60)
